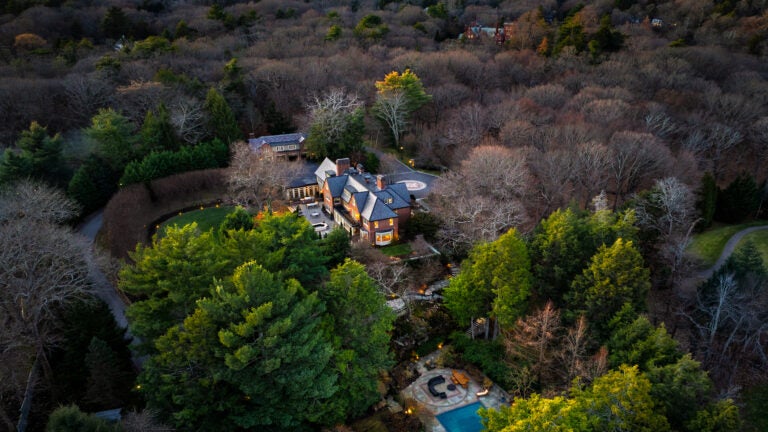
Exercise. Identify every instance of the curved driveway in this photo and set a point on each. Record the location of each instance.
(728, 249)
(405, 173)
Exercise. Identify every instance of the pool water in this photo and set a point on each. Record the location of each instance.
(464, 419)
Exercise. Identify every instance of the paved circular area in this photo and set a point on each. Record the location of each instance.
(414, 185)
(453, 397)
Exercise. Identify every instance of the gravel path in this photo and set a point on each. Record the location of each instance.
(728, 249)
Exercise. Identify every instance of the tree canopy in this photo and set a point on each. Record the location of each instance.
(252, 355)
(494, 281)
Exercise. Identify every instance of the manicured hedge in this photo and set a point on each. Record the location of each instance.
(214, 154)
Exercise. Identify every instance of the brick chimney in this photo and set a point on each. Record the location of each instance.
(342, 166)
(381, 183)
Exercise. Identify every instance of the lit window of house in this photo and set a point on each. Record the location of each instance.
(375, 224)
(391, 221)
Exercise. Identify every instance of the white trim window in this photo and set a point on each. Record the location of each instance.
(384, 238)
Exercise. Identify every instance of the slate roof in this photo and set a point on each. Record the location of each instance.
(360, 198)
(373, 203)
(396, 200)
(336, 185)
(276, 140)
(375, 209)
(305, 177)
(401, 190)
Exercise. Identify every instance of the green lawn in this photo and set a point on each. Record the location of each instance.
(399, 249)
(206, 219)
(708, 245)
(760, 240)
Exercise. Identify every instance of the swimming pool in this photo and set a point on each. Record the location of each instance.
(464, 419)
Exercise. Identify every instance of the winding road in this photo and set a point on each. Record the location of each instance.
(728, 249)
(104, 290)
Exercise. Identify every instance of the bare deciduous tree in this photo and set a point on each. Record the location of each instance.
(188, 118)
(35, 202)
(85, 95)
(590, 169)
(711, 145)
(254, 181)
(552, 171)
(669, 210)
(143, 421)
(42, 267)
(533, 340)
(391, 109)
(482, 199)
(635, 158)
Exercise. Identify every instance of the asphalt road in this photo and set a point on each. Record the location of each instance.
(728, 249)
(405, 172)
(104, 290)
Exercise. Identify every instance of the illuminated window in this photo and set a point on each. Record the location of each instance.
(384, 238)
(391, 221)
(376, 224)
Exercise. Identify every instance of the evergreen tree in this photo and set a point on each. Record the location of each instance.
(116, 24)
(221, 119)
(559, 251)
(93, 184)
(336, 247)
(277, 122)
(739, 200)
(361, 323)
(168, 278)
(39, 157)
(114, 137)
(494, 281)
(157, 131)
(108, 382)
(707, 201)
(251, 356)
(620, 400)
(238, 219)
(615, 277)
(83, 322)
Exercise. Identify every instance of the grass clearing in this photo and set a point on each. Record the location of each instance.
(707, 246)
(399, 249)
(206, 219)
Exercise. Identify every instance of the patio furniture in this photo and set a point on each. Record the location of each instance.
(459, 378)
(431, 385)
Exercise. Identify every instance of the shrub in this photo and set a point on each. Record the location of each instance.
(214, 154)
(134, 208)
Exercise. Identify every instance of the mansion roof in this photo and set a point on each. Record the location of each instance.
(372, 201)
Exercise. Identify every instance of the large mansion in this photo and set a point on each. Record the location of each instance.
(362, 203)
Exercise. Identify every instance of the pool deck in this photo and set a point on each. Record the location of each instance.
(430, 406)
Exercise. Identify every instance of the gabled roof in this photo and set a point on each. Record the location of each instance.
(401, 190)
(322, 171)
(336, 185)
(391, 199)
(360, 198)
(276, 140)
(375, 209)
(325, 166)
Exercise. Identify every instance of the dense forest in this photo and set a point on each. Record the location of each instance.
(579, 147)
